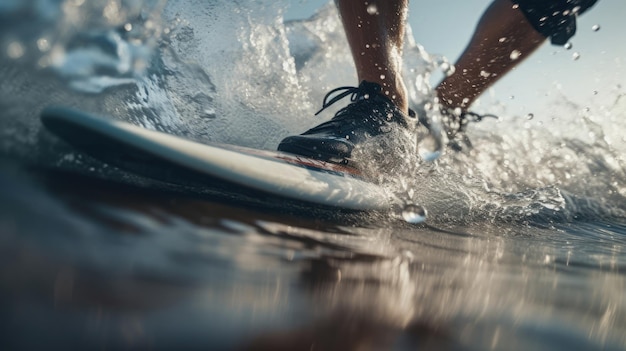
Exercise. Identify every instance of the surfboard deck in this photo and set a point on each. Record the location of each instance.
(177, 160)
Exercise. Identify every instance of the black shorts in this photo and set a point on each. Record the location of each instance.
(555, 19)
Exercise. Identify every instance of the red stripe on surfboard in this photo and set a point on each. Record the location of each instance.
(309, 162)
(294, 159)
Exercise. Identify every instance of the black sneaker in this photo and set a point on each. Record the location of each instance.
(369, 115)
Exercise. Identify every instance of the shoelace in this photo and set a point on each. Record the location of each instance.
(466, 117)
(355, 91)
(475, 117)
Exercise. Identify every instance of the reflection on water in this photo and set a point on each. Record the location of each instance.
(136, 268)
(522, 247)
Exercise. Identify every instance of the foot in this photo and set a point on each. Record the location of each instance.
(370, 114)
(453, 122)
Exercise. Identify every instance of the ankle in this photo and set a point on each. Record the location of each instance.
(398, 95)
(394, 90)
(451, 100)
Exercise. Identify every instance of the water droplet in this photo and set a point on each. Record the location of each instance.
(382, 76)
(43, 45)
(429, 155)
(484, 74)
(128, 27)
(568, 46)
(595, 27)
(530, 116)
(447, 68)
(515, 54)
(595, 92)
(372, 9)
(385, 128)
(502, 40)
(413, 213)
(575, 56)
(430, 146)
(15, 50)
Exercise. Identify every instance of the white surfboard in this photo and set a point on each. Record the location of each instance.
(173, 159)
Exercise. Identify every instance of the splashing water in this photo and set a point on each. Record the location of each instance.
(414, 214)
(500, 264)
(91, 52)
(239, 73)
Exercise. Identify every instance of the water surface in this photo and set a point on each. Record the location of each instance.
(523, 246)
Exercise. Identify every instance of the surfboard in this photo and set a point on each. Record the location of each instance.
(173, 159)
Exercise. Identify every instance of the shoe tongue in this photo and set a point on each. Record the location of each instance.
(369, 88)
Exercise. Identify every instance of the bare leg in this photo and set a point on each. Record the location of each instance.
(503, 39)
(375, 32)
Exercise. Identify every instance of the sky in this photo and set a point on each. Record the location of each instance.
(445, 26)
